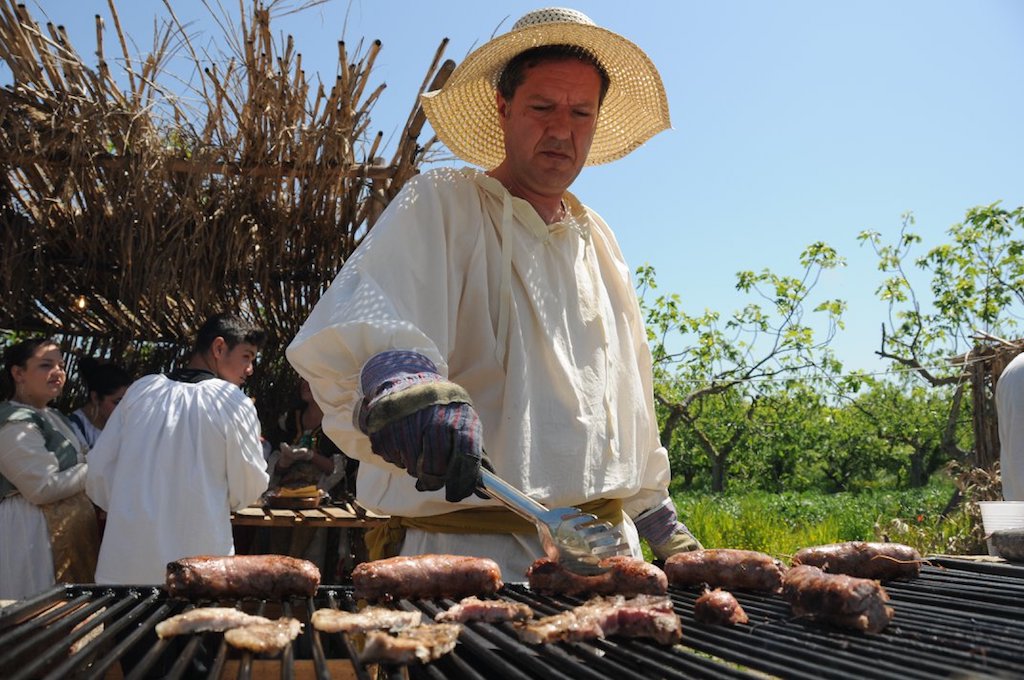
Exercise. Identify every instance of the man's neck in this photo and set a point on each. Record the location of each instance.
(551, 209)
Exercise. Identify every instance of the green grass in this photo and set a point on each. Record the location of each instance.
(781, 523)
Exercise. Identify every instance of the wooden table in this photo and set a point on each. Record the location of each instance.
(331, 516)
(291, 530)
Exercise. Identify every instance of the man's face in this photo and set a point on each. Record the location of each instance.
(549, 125)
(234, 364)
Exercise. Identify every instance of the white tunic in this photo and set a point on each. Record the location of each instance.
(171, 464)
(539, 323)
(26, 559)
(1010, 414)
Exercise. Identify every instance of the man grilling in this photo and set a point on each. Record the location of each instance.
(494, 308)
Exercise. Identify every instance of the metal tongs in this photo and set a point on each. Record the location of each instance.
(575, 539)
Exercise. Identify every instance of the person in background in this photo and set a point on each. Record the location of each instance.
(495, 306)
(303, 456)
(48, 530)
(1010, 415)
(178, 455)
(105, 384)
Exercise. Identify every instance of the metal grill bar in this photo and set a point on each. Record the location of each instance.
(962, 621)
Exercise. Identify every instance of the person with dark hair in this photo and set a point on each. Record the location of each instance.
(302, 456)
(48, 530)
(489, 304)
(178, 455)
(105, 385)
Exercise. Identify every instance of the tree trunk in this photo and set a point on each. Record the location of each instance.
(718, 464)
(917, 475)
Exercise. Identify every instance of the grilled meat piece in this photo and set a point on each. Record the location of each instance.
(625, 576)
(271, 577)
(204, 619)
(881, 561)
(719, 607)
(648, 616)
(426, 576)
(725, 568)
(370, 618)
(420, 643)
(846, 601)
(1009, 544)
(264, 638)
(492, 611)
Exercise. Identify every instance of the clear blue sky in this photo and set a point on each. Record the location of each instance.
(794, 122)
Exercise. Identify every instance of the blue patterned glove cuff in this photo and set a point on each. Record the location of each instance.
(389, 372)
(659, 523)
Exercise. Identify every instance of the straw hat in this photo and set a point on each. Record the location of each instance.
(464, 114)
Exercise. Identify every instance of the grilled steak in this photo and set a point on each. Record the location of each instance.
(625, 576)
(419, 643)
(649, 616)
(426, 576)
(719, 607)
(271, 577)
(881, 561)
(370, 618)
(847, 601)
(204, 619)
(264, 638)
(491, 611)
(724, 568)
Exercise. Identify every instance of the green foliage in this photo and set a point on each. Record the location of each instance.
(709, 390)
(977, 284)
(782, 523)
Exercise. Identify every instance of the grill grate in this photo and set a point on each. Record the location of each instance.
(958, 618)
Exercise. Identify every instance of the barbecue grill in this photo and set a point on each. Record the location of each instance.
(959, 618)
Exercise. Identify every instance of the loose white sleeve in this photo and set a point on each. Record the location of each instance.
(246, 466)
(34, 470)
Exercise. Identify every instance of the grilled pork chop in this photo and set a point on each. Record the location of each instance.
(649, 616)
(204, 619)
(420, 643)
(370, 618)
(264, 638)
(492, 611)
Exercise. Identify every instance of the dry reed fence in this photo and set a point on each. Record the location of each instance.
(128, 213)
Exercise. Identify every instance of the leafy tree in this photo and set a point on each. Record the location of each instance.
(977, 293)
(713, 386)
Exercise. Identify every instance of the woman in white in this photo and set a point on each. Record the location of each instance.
(48, 530)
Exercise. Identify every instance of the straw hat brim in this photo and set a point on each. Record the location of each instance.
(464, 114)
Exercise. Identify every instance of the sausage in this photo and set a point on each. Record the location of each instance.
(846, 601)
(271, 577)
(881, 561)
(426, 576)
(719, 607)
(725, 568)
(624, 576)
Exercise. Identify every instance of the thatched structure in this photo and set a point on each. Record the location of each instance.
(129, 213)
